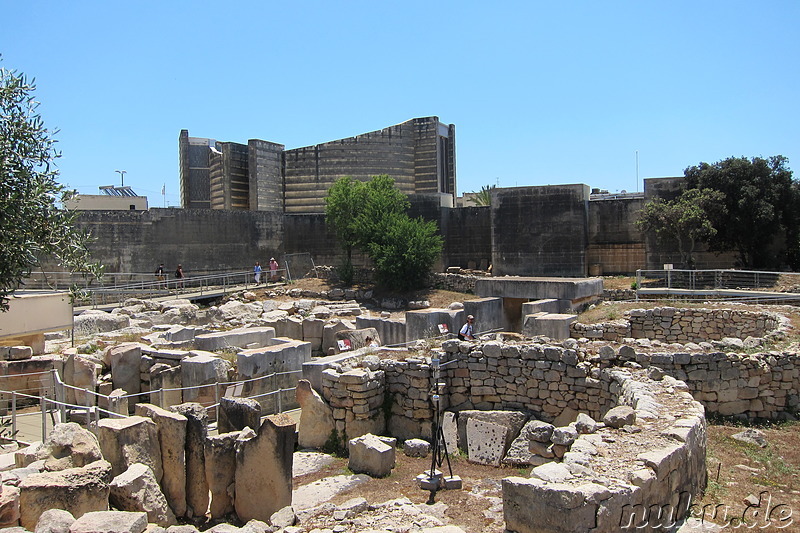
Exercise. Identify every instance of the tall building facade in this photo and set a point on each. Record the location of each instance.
(263, 176)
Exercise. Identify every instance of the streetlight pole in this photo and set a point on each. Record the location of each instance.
(122, 176)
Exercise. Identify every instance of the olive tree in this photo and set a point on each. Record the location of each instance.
(32, 224)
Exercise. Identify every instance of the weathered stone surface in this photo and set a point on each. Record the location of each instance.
(87, 324)
(130, 440)
(80, 371)
(619, 416)
(9, 506)
(202, 368)
(172, 442)
(564, 436)
(110, 522)
(25, 456)
(552, 472)
(318, 492)
(196, 430)
(125, 361)
(316, 417)
(69, 446)
(220, 459)
(585, 424)
(283, 518)
(235, 414)
(486, 442)
(534, 506)
(77, 490)
(416, 448)
(538, 431)
(136, 489)
(751, 436)
(264, 469)
(370, 455)
(54, 521)
(512, 420)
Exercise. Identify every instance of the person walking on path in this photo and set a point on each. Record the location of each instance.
(160, 277)
(273, 269)
(257, 272)
(179, 276)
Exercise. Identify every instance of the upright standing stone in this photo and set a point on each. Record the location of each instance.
(316, 417)
(196, 432)
(485, 442)
(126, 441)
(168, 381)
(172, 439)
(264, 469)
(235, 414)
(125, 361)
(220, 455)
(80, 372)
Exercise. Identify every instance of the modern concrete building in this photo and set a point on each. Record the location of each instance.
(263, 176)
(112, 199)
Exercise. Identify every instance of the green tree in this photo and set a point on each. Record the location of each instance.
(483, 197)
(343, 204)
(685, 220)
(760, 200)
(32, 226)
(404, 256)
(372, 216)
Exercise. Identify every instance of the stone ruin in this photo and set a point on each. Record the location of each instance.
(529, 403)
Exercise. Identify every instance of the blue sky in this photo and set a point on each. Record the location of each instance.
(540, 92)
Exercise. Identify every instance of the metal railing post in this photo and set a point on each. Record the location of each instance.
(14, 412)
(43, 401)
(216, 401)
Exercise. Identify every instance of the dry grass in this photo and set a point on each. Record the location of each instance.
(737, 470)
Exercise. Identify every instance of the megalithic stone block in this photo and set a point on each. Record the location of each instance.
(196, 431)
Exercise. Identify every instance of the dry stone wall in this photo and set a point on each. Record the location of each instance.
(671, 324)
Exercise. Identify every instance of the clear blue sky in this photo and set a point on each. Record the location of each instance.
(540, 93)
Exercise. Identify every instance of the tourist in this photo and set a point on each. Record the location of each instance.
(273, 269)
(467, 332)
(372, 343)
(179, 276)
(257, 272)
(160, 275)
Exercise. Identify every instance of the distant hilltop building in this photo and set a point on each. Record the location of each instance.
(263, 176)
(112, 199)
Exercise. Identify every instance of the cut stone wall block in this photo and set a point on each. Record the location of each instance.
(136, 490)
(130, 440)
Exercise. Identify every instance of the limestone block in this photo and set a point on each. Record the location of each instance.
(110, 522)
(316, 417)
(512, 420)
(264, 469)
(240, 338)
(619, 416)
(196, 432)
(236, 414)
(552, 472)
(564, 436)
(88, 324)
(450, 431)
(166, 377)
(585, 424)
(354, 339)
(172, 442)
(235, 310)
(125, 361)
(54, 521)
(538, 431)
(25, 456)
(416, 448)
(69, 446)
(330, 330)
(220, 457)
(136, 489)
(77, 490)
(130, 440)
(285, 517)
(370, 455)
(485, 441)
(202, 368)
(533, 506)
(9, 506)
(80, 372)
(313, 328)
